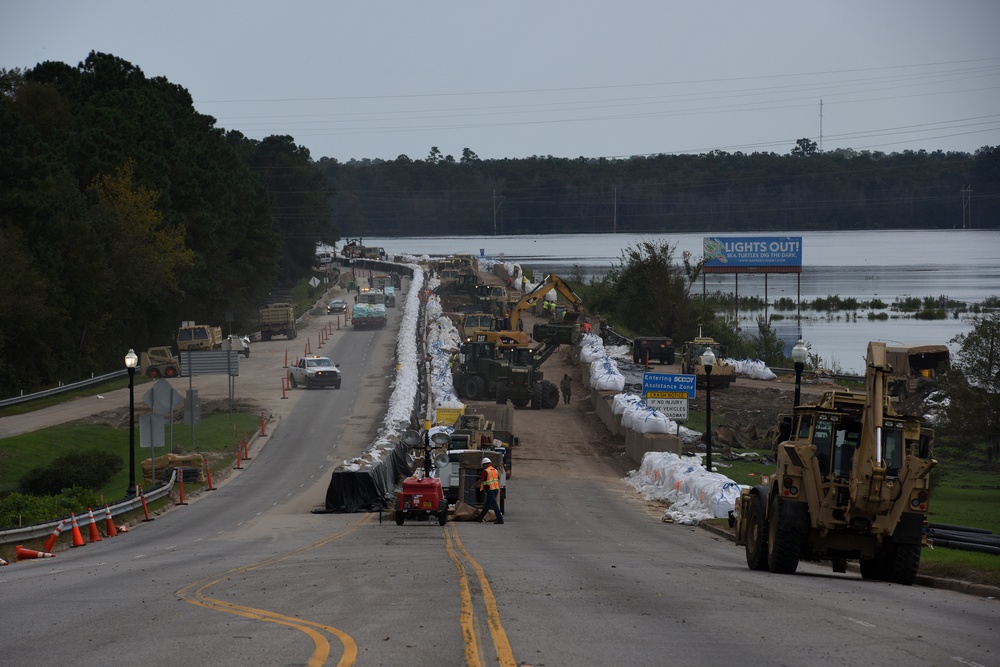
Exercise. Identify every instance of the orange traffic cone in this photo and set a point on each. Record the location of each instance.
(77, 537)
(208, 474)
(22, 553)
(109, 523)
(94, 535)
(50, 543)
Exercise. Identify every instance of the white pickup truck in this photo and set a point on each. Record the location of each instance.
(314, 371)
(239, 343)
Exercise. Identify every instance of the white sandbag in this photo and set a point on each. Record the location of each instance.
(592, 349)
(604, 376)
(621, 402)
(760, 371)
(652, 421)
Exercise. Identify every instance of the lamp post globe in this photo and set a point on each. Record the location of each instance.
(799, 355)
(131, 361)
(708, 361)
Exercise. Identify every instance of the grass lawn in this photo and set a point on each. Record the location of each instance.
(216, 437)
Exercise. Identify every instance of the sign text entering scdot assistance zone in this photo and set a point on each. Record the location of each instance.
(668, 385)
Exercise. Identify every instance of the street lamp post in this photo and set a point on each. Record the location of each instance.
(708, 361)
(131, 361)
(799, 355)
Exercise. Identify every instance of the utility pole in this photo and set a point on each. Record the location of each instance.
(966, 207)
(821, 126)
(497, 203)
(614, 219)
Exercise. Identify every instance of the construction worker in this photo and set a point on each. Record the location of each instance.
(489, 483)
(566, 385)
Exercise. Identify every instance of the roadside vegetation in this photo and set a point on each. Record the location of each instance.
(91, 460)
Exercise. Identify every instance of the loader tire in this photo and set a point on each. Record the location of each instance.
(756, 538)
(537, 396)
(782, 544)
(874, 568)
(902, 563)
(171, 372)
(501, 396)
(153, 373)
(550, 395)
(520, 401)
(475, 387)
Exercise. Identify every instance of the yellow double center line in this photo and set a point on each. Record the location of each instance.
(195, 594)
(505, 656)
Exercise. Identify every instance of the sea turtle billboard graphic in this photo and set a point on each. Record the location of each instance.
(753, 252)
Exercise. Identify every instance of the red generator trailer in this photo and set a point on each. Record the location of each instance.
(421, 498)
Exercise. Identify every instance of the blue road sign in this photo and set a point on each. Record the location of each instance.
(670, 382)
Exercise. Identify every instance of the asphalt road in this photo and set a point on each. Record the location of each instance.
(583, 572)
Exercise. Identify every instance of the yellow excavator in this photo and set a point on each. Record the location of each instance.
(551, 282)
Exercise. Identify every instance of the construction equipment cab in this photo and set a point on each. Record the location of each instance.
(851, 483)
(723, 374)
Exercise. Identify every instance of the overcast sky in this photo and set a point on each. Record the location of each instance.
(568, 78)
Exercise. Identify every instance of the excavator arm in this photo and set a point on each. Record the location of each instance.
(551, 282)
(869, 493)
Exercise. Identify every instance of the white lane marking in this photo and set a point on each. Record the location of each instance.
(860, 622)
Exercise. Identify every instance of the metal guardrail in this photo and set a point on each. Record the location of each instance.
(63, 388)
(18, 535)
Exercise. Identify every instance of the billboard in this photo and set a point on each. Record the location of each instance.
(753, 254)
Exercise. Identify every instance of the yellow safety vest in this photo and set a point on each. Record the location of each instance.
(492, 479)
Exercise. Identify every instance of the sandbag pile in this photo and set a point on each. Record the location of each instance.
(695, 494)
(755, 369)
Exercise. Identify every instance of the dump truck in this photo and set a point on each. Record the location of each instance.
(368, 315)
(914, 366)
(723, 374)
(648, 348)
(277, 319)
(157, 362)
(191, 336)
(851, 482)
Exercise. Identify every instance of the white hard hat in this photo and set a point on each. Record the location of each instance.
(486, 462)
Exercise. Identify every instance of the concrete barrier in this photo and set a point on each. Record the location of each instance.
(638, 444)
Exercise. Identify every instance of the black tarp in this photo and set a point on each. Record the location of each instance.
(371, 487)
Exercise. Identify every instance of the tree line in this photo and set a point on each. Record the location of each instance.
(124, 211)
(734, 192)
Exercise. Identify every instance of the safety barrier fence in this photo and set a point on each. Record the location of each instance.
(19, 535)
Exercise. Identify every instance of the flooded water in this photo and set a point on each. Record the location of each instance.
(962, 265)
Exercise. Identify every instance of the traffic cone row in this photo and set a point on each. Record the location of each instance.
(95, 536)
(51, 541)
(109, 523)
(23, 553)
(77, 537)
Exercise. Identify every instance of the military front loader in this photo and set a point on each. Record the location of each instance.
(851, 483)
(489, 370)
(722, 375)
